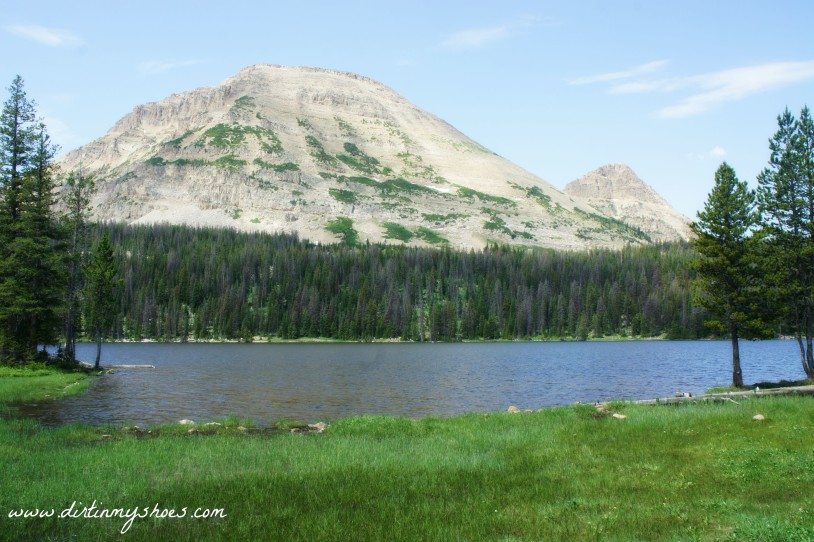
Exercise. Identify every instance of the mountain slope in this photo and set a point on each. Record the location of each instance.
(332, 156)
(616, 191)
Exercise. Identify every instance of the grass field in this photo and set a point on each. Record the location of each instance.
(688, 472)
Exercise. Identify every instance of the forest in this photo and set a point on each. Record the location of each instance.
(183, 283)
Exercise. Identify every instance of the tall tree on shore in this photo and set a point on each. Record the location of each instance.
(786, 202)
(17, 299)
(100, 297)
(44, 238)
(77, 191)
(727, 270)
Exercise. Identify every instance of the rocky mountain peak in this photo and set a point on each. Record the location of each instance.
(332, 156)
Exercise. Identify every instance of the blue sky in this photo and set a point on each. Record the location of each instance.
(560, 88)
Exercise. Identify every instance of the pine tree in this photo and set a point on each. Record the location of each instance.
(100, 296)
(786, 202)
(77, 191)
(18, 298)
(727, 273)
(45, 238)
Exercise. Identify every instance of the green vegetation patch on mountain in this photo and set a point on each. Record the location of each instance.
(232, 136)
(360, 161)
(396, 231)
(344, 196)
(318, 151)
(279, 168)
(614, 226)
(343, 227)
(442, 219)
(430, 236)
(470, 193)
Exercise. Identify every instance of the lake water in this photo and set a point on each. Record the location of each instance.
(311, 382)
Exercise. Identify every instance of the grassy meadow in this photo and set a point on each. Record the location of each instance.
(681, 472)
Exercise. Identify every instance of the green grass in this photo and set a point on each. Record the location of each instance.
(279, 168)
(229, 161)
(360, 161)
(31, 382)
(231, 136)
(471, 193)
(430, 236)
(442, 219)
(343, 227)
(155, 161)
(244, 103)
(614, 226)
(177, 142)
(396, 231)
(318, 151)
(345, 196)
(688, 472)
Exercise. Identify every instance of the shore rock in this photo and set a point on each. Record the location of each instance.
(513, 409)
(186, 422)
(758, 417)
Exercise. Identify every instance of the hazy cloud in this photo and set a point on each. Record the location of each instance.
(477, 38)
(708, 91)
(155, 67)
(717, 152)
(62, 134)
(641, 69)
(54, 37)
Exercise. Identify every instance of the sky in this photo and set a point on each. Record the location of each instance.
(671, 89)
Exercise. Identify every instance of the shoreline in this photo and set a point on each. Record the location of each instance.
(578, 472)
(319, 340)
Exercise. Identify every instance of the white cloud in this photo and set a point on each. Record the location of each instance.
(155, 67)
(717, 152)
(475, 38)
(54, 37)
(62, 134)
(710, 90)
(623, 74)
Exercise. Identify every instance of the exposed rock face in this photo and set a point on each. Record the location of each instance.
(331, 156)
(617, 192)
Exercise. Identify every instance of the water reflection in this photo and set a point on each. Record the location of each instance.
(325, 381)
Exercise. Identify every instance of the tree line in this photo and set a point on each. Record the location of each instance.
(756, 265)
(184, 283)
(49, 281)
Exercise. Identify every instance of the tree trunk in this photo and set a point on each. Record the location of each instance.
(809, 366)
(98, 350)
(737, 375)
(803, 360)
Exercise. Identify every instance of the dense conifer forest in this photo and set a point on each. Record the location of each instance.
(181, 283)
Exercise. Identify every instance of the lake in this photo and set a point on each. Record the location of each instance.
(312, 382)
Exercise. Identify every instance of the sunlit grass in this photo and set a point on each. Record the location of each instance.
(692, 471)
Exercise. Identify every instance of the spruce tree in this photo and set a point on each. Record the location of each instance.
(727, 274)
(43, 260)
(100, 296)
(18, 300)
(77, 192)
(786, 202)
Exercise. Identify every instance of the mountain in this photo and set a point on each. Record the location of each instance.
(332, 156)
(616, 191)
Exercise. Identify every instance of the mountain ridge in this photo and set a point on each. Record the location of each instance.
(285, 148)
